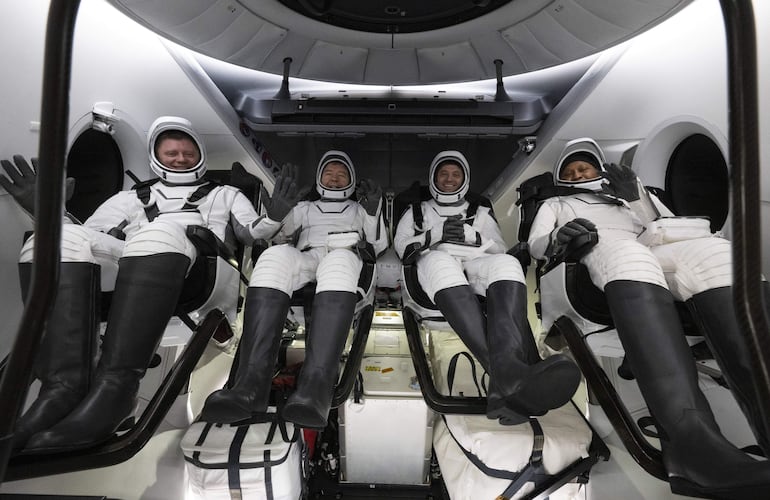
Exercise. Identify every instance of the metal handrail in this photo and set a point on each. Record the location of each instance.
(433, 398)
(742, 73)
(647, 456)
(353, 363)
(49, 200)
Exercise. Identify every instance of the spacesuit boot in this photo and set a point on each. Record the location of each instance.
(310, 403)
(519, 382)
(66, 353)
(462, 310)
(714, 312)
(263, 319)
(146, 293)
(699, 460)
(530, 385)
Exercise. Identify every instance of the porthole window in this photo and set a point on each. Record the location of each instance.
(97, 166)
(697, 180)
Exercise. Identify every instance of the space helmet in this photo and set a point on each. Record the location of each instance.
(584, 149)
(169, 123)
(335, 193)
(457, 195)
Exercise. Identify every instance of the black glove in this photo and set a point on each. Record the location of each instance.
(622, 182)
(574, 239)
(20, 182)
(453, 230)
(285, 194)
(369, 194)
(244, 180)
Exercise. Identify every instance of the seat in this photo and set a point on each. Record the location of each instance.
(298, 320)
(575, 315)
(498, 463)
(298, 324)
(207, 307)
(212, 284)
(420, 312)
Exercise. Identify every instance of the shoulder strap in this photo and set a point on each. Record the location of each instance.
(533, 192)
(199, 194)
(473, 206)
(143, 192)
(417, 216)
(476, 200)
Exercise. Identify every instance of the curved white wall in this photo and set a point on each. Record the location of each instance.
(669, 81)
(114, 60)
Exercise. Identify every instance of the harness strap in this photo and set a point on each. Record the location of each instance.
(533, 471)
(199, 194)
(144, 193)
(418, 218)
(453, 367)
(234, 462)
(268, 475)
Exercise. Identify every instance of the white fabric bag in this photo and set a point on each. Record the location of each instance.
(261, 461)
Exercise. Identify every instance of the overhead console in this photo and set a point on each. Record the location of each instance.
(468, 117)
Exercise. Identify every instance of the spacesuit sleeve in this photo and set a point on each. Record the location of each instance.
(119, 209)
(247, 225)
(405, 234)
(488, 230)
(374, 229)
(542, 229)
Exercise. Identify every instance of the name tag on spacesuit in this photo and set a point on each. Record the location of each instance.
(343, 239)
(672, 229)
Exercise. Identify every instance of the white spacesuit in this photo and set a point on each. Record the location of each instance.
(136, 244)
(326, 231)
(460, 253)
(642, 263)
(687, 267)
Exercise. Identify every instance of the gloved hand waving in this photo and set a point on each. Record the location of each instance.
(622, 182)
(21, 179)
(285, 194)
(369, 194)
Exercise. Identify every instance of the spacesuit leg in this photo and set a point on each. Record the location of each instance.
(278, 271)
(64, 360)
(700, 272)
(521, 384)
(150, 278)
(698, 459)
(528, 385)
(333, 307)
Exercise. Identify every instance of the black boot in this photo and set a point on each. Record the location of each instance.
(714, 312)
(146, 293)
(263, 319)
(698, 459)
(332, 315)
(520, 383)
(66, 353)
(529, 385)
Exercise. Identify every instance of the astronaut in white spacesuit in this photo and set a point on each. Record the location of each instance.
(459, 253)
(643, 262)
(136, 242)
(328, 229)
